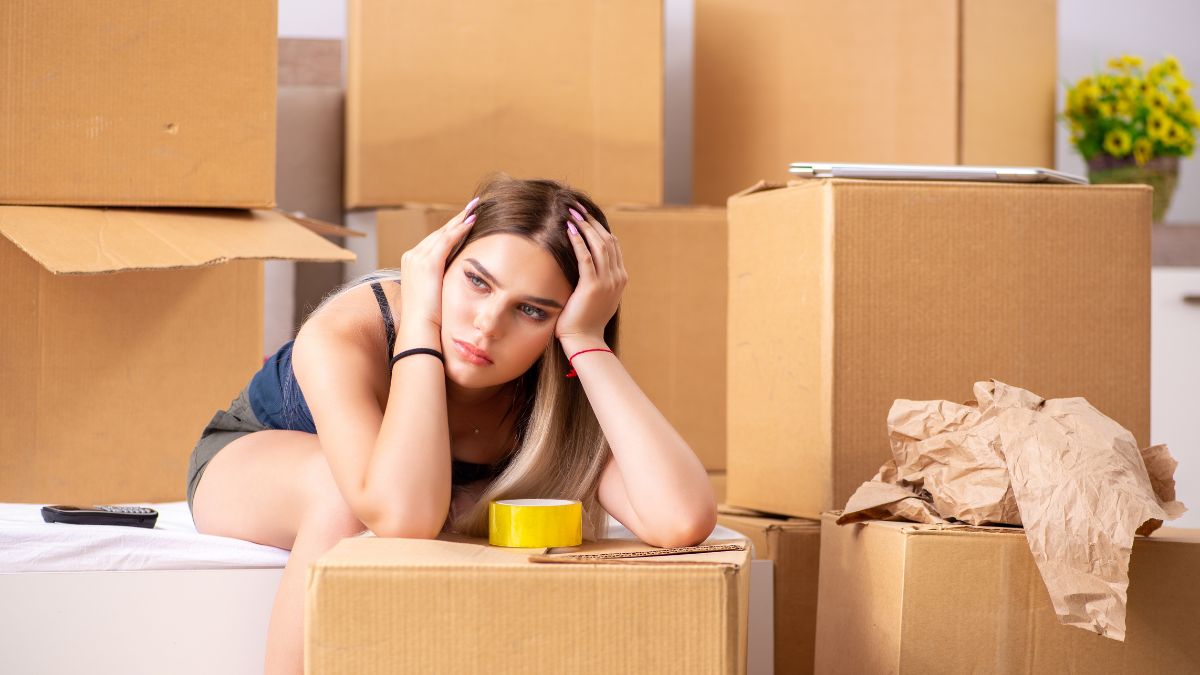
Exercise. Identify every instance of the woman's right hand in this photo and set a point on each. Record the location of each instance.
(422, 268)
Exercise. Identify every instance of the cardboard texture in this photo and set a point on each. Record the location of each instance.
(1072, 477)
(404, 605)
(794, 545)
(939, 82)
(847, 295)
(138, 104)
(920, 598)
(429, 115)
(672, 312)
(309, 169)
(717, 480)
(121, 333)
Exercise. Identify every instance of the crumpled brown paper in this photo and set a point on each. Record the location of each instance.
(1072, 477)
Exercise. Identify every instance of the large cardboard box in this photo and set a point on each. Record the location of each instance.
(431, 606)
(847, 295)
(794, 546)
(905, 598)
(107, 102)
(934, 82)
(439, 95)
(121, 333)
(672, 337)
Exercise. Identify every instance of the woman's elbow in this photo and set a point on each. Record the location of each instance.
(406, 528)
(688, 531)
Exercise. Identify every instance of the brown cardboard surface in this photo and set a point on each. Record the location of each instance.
(940, 82)
(1007, 54)
(309, 166)
(389, 605)
(149, 103)
(120, 336)
(884, 290)
(922, 599)
(794, 544)
(717, 480)
(672, 313)
(430, 112)
(673, 317)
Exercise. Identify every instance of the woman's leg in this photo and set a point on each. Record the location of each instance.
(275, 488)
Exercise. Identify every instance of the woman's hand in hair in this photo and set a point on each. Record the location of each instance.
(602, 279)
(423, 266)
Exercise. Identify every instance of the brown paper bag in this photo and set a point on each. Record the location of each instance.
(1072, 477)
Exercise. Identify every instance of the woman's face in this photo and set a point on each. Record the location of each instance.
(500, 301)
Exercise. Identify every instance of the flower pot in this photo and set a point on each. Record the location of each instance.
(1160, 173)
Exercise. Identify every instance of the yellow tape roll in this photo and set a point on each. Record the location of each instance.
(535, 523)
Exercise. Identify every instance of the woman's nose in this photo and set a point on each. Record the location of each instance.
(487, 319)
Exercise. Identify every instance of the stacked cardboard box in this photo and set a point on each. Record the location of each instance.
(919, 599)
(936, 82)
(124, 329)
(457, 605)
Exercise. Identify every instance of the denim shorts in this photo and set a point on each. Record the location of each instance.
(226, 427)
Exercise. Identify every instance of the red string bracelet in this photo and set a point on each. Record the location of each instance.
(571, 372)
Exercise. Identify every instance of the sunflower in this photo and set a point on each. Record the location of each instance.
(1156, 124)
(1117, 142)
(1175, 134)
(1143, 150)
(1157, 100)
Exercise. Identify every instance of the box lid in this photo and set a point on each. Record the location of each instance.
(68, 240)
(1173, 534)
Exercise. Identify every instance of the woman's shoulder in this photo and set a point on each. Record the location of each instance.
(355, 314)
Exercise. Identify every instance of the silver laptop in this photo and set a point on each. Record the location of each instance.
(992, 174)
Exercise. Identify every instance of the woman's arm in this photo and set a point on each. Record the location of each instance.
(658, 488)
(393, 467)
(654, 484)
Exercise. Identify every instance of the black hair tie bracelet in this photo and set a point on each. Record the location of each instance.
(418, 350)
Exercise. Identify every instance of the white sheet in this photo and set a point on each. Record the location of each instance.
(29, 544)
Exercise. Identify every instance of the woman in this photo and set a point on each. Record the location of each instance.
(406, 408)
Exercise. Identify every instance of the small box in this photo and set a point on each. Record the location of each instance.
(907, 598)
(794, 546)
(440, 95)
(933, 82)
(404, 605)
(109, 103)
(847, 295)
(121, 333)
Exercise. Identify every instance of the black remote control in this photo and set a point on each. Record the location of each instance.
(133, 516)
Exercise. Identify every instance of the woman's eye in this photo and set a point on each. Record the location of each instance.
(476, 281)
(533, 313)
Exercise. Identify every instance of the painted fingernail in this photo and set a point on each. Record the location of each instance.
(571, 228)
(470, 219)
(472, 203)
(575, 214)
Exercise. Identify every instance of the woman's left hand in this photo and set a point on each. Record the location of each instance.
(602, 279)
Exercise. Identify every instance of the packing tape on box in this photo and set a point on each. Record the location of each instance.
(535, 523)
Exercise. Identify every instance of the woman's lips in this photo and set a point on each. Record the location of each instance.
(472, 354)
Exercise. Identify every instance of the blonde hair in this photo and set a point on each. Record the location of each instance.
(561, 449)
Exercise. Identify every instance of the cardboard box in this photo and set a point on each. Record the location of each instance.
(847, 295)
(160, 104)
(672, 313)
(430, 111)
(794, 545)
(121, 333)
(936, 82)
(919, 599)
(717, 480)
(430, 606)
